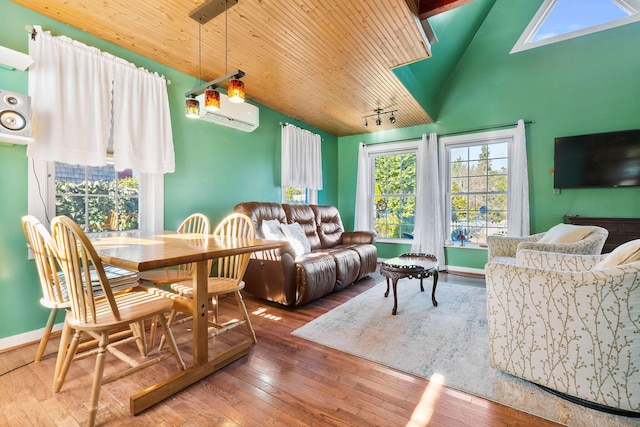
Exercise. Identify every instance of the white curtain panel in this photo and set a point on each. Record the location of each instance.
(518, 221)
(75, 91)
(301, 158)
(363, 220)
(69, 83)
(428, 234)
(142, 136)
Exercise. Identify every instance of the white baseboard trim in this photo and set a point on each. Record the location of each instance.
(458, 269)
(25, 338)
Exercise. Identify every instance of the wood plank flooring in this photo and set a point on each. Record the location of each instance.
(284, 381)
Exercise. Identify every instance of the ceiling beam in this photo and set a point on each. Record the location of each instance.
(429, 8)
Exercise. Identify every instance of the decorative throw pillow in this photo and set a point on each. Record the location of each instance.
(295, 235)
(566, 233)
(623, 254)
(271, 230)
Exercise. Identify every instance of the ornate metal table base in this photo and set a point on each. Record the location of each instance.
(411, 266)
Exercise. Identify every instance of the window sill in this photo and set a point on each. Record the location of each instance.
(466, 246)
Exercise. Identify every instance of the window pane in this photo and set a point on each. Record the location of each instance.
(103, 199)
(71, 206)
(478, 192)
(296, 196)
(395, 186)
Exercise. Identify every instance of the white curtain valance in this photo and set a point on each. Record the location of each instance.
(301, 158)
(82, 97)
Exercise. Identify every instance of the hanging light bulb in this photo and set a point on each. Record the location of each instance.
(192, 108)
(211, 99)
(235, 91)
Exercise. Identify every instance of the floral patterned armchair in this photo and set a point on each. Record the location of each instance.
(506, 247)
(563, 322)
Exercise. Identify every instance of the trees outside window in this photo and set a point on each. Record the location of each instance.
(394, 195)
(478, 191)
(97, 198)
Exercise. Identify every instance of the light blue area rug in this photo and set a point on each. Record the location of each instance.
(451, 340)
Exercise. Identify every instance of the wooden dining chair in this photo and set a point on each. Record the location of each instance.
(228, 279)
(97, 316)
(54, 288)
(196, 223)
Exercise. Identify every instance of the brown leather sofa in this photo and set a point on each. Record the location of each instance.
(337, 258)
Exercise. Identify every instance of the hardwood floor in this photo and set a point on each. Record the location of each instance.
(285, 381)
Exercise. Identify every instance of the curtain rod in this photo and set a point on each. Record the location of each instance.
(32, 31)
(526, 122)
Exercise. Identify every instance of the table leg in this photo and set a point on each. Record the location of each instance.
(386, 294)
(395, 295)
(433, 291)
(200, 313)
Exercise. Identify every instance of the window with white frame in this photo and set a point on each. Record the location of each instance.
(558, 20)
(96, 198)
(299, 196)
(393, 174)
(477, 185)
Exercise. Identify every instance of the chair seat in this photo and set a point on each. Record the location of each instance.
(133, 307)
(216, 285)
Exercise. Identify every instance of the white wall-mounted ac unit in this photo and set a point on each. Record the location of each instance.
(244, 116)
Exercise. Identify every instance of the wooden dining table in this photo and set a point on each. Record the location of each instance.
(143, 251)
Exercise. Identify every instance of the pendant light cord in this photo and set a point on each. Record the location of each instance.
(226, 37)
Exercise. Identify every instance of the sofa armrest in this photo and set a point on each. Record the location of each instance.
(556, 261)
(358, 237)
(505, 246)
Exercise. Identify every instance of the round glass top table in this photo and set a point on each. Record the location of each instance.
(411, 266)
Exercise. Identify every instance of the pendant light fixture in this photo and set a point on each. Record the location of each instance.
(235, 87)
(192, 107)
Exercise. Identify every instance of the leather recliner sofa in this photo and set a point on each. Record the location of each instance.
(337, 258)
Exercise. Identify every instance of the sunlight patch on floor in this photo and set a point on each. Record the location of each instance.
(424, 410)
(262, 312)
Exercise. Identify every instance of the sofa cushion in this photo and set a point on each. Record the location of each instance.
(315, 276)
(261, 211)
(368, 258)
(330, 227)
(624, 254)
(347, 266)
(271, 229)
(303, 215)
(566, 233)
(294, 234)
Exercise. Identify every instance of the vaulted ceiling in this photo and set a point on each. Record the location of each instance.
(327, 63)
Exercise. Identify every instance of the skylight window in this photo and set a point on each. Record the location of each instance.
(558, 20)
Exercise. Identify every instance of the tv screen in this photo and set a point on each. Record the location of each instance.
(609, 159)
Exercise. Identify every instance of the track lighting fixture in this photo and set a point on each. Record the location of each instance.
(377, 113)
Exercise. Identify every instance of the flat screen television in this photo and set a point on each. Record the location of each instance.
(609, 159)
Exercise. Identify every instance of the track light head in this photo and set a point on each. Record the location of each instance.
(392, 119)
(378, 121)
(365, 124)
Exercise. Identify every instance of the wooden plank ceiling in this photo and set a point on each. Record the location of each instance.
(327, 63)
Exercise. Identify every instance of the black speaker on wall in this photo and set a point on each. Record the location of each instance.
(15, 114)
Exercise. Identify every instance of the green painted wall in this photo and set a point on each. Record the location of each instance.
(216, 167)
(584, 85)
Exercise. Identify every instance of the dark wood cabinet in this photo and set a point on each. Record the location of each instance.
(621, 230)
